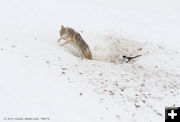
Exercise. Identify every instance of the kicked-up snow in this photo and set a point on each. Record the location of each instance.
(41, 81)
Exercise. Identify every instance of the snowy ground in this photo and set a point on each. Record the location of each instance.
(39, 79)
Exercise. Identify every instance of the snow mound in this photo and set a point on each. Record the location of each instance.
(115, 45)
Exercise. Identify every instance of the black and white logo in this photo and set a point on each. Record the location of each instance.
(172, 114)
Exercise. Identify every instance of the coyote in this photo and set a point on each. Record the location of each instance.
(74, 38)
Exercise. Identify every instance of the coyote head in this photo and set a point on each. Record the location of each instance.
(62, 30)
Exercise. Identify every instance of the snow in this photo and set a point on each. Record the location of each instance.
(40, 79)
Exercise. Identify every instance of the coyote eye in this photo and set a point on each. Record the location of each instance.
(60, 31)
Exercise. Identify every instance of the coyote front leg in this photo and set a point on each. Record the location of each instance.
(59, 40)
(66, 42)
(69, 41)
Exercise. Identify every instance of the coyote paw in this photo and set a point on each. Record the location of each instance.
(59, 40)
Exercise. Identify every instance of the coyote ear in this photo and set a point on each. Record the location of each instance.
(62, 26)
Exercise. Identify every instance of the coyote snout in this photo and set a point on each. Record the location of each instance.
(74, 38)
